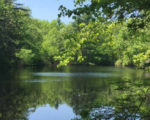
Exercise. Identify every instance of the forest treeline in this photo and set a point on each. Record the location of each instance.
(90, 39)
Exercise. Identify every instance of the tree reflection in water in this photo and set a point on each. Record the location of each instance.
(126, 97)
(132, 102)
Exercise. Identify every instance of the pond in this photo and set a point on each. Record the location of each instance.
(75, 93)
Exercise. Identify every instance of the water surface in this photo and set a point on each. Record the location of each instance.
(73, 93)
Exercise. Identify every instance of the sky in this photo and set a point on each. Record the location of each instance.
(47, 9)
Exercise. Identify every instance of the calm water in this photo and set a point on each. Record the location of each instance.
(75, 93)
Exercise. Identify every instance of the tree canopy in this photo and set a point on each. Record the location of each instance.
(13, 18)
(109, 8)
(95, 37)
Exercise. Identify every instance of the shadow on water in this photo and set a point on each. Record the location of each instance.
(86, 93)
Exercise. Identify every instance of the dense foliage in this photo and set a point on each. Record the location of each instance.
(91, 39)
(13, 19)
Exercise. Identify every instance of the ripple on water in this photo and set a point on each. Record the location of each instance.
(57, 74)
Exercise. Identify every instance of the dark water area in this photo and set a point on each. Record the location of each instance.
(75, 93)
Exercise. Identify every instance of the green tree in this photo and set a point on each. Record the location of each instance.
(12, 26)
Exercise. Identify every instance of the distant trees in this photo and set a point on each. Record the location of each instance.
(107, 44)
(91, 39)
(117, 33)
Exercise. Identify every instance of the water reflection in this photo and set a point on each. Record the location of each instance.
(74, 93)
(47, 112)
(61, 74)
